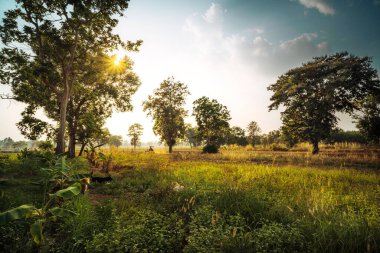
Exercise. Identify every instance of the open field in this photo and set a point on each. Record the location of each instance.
(236, 201)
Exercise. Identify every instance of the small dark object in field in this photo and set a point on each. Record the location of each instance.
(150, 149)
(210, 149)
(100, 179)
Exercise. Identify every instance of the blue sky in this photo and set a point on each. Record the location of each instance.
(230, 50)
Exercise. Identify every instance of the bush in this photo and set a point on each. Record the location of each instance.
(140, 230)
(275, 237)
(278, 147)
(210, 231)
(210, 149)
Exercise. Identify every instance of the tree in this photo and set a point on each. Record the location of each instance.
(313, 93)
(99, 93)
(191, 136)
(236, 135)
(166, 107)
(90, 132)
(253, 132)
(368, 122)
(135, 131)
(54, 40)
(7, 142)
(20, 144)
(212, 120)
(115, 140)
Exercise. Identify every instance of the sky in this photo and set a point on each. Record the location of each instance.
(229, 50)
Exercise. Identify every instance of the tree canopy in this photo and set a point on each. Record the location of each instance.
(368, 121)
(313, 93)
(212, 120)
(58, 44)
(115, 140)
(166, 107)
(253, 132)
(135, 131)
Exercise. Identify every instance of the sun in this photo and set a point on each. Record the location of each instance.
(119, 55)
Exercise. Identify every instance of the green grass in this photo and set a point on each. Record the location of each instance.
(197, 203)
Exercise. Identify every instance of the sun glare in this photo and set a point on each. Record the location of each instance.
(119, 55)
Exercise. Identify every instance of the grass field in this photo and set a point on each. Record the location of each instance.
(240, 200)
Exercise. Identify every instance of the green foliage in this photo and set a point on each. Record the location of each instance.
(275, 237)
(68, 192)
(106, 161)
(346, 136)
(368, 122)
(212, 120)
(115, 140)
(21, 212)
(211, 231)
(60, 63)
(313, 93)
(278, 147)
(42, 215)
(140, 230)
(135, 131)
(253, 131)
(36, 232)
(192, 136)
(7, 142)
(236, 135)
(166, 107)
(210, 149)
(156, 204)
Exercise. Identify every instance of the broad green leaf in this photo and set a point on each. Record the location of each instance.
(102, 156)
(36, 232)
(61, 212)
(21, 212)
(69, 192)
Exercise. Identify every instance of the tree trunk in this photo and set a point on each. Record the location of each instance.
(82, 149)
(62, 122)
(72, 133)
(170, 148)
(315, 148)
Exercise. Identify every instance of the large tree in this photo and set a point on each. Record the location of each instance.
(313, 93)
(135, 131)
(253, 132)
(166, 106)
(212, 120)
(45, 45)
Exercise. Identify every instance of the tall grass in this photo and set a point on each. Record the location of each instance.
(234, 201)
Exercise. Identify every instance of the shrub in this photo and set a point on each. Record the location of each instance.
(275, 237)
(210, 231)
(278, 147)
(140, 230)
(210, 149)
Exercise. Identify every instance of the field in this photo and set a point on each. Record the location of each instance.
(240, 200)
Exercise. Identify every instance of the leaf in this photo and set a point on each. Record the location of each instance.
(102, 156)
(61, 212)
(21, 212)
(36, 232)
(69, 192)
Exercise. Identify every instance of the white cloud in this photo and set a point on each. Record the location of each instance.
(237, 68)
(321, 5)
(214, 14)
(262, 47)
